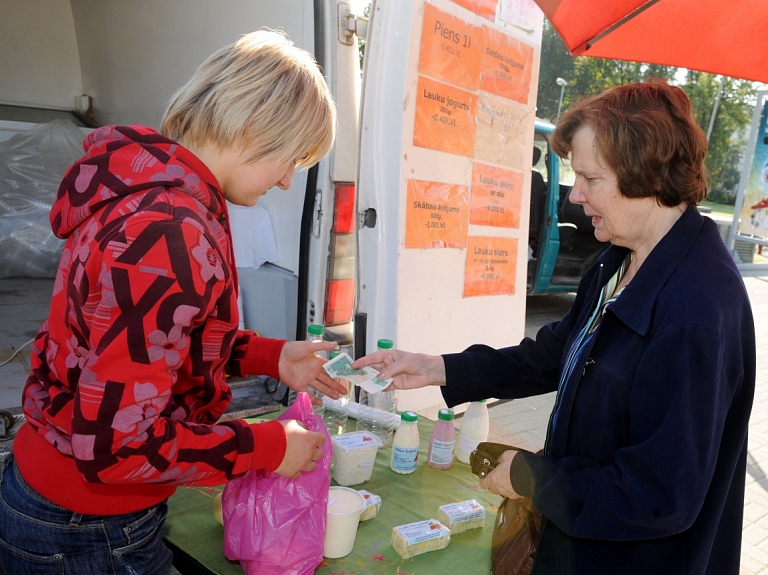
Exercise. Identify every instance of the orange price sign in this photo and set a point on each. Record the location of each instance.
(484, 8)
(445, 118)
(450, 49)
(491, 266)
(436, 215)
(502, 130)
(497, 196)
(505, 68)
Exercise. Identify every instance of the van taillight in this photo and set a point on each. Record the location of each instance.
(340, 284)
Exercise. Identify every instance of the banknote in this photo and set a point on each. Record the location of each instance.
(340, 367)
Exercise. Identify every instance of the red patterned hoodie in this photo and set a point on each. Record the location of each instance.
(128, 373)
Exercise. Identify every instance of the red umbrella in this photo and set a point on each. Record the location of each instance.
(716, 36)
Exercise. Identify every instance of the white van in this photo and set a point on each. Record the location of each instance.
(341, 246)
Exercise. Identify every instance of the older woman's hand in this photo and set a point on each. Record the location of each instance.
(300, 367)
(497, 481)
(409, 370)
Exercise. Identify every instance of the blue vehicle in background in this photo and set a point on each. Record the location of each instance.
(561, 239)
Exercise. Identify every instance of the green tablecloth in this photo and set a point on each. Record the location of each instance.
(196, 536)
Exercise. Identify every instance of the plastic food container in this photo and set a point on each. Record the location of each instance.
(344, 508)
(354, 454)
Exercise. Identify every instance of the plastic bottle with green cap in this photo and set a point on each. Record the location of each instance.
(442, 441)
(336, 410)
(378, 411)
(405, 445)
(314, 333)
(474, 429)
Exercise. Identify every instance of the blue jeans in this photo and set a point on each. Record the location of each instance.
(38, 537)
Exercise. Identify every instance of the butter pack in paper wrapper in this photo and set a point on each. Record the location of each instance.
(461, 516)
(420, 537)
(372, 505)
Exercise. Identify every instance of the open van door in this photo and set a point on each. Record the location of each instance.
(562, 238)
(313, 281)
(446, 142)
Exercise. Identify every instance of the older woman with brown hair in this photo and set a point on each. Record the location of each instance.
(654, 365)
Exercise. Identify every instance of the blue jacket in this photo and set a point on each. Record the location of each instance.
(646, 464)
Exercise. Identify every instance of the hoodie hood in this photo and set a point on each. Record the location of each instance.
(124, 160)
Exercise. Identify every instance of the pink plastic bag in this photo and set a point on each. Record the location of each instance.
(275, 525)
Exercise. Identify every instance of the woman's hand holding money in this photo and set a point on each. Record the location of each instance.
(408, 370)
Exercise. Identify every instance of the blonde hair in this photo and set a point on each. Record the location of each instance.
(262, 93)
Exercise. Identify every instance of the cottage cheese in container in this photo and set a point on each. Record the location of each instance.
(354, 454)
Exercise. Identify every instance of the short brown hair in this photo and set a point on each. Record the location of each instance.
(647, 134)
(262, 93)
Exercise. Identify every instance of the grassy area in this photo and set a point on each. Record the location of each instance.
(722, 209)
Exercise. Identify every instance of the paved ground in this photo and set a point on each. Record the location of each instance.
(524, 422)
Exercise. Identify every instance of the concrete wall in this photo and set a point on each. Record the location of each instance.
(135, 55)
(129, 56)
(39, 61)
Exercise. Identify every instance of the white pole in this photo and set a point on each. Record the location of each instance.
(714, 108)
(562, 83)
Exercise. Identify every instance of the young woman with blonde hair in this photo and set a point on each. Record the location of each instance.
(128, 373)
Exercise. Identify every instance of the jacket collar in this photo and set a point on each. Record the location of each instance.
(635, 306)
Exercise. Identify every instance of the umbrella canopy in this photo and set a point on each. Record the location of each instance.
(716, 36)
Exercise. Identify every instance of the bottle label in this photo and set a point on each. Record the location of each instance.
(404, 459)
(442, 452)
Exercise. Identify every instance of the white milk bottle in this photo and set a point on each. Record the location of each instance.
(474, 429)
(337, 410)
(405, 445)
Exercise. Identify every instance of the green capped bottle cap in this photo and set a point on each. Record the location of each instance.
(333, 354)
(315, 329)
(409, 416)
(446, 414)
(385, 344)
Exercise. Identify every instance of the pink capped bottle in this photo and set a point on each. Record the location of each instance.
(442, 441)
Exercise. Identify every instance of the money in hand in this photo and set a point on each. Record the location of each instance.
(340, 367)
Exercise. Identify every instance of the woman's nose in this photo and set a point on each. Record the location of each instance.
(285, 181)
(577, 196)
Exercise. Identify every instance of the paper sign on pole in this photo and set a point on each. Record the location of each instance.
(436, 215)
(502, 131)
(491, 266)
(497, 196)
(445, 118)
(450, 49)
(484, 8)
(506, 66)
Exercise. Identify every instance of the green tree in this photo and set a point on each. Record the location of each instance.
(587, 76)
